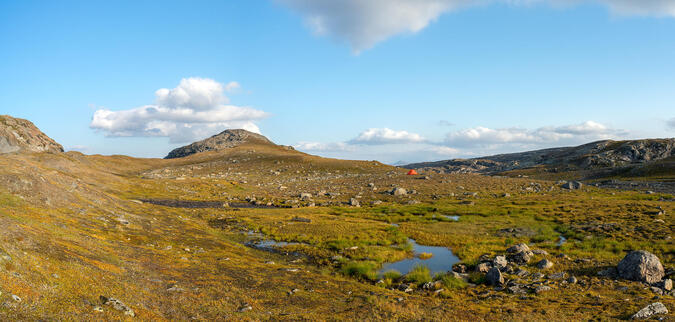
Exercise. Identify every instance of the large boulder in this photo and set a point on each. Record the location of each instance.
(494, 277)
(641, 266)
(649, 310)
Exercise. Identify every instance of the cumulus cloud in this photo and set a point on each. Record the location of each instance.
(486, 137)
(376, 136)
(195, 109)
(364, 23)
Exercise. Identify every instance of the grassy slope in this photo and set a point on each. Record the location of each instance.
(63, 219)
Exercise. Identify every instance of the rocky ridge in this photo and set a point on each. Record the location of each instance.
(595, 155)
(19, 135)
(224, 140)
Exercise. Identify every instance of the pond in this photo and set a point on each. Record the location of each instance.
(561, 240)
(441, 262)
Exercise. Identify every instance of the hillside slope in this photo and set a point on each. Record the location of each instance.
(602, 158)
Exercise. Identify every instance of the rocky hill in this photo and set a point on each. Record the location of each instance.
(224, 140)
(592, 156)
(17, 135)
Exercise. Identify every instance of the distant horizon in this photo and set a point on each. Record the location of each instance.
(392, 81)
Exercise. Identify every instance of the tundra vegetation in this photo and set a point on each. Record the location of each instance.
(266, 232)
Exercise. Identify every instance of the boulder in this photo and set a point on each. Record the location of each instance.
(649, 310)
(572, 185)
(521, 257)
(544, 264)
(641, 266)
(500, 262)
(518, 248)
(483, 267)
(494, 277)
(354, 202)
(399, 192)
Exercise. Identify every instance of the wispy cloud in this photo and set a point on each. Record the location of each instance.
(364, 23)
(671, 123)
(195, 109)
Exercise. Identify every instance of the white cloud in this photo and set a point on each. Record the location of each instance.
(364, 23)
(386, 136)
(486, 137)
(323, 147)
(195, 109)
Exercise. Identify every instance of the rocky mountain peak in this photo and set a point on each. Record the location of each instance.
(19, 135)
(224, 140)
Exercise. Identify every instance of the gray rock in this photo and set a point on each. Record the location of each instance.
(407, 288)
(541, 289)
(118, 305)
(557, 276)
(572, 280)
(649, 310)
(354, 202)
(544, 264)
(539, 252)
(521, 257)
(483, 267)
(245, 307)
(494, 277)
(500, 262)
(399, 192)
(305, 196)
(16, 298)
(572, 185)
(518, 248)
(641, 266)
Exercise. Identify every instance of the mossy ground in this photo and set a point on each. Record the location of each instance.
(74, 230)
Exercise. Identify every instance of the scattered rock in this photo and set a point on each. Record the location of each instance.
(300, 219)
(483, 267)
(572, 185)
(521, 257)
(572, 280)
(544, 264)
(16, 298)
(399, 192)
(500, 262)
(245, 307)
(641, 266)
(117, 305)
(541, 289)
(494, 277)
(518, 248)
(354, 202)
(557, 276)
(649, 310)
(667, 284)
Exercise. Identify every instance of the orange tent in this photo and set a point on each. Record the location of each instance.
(412, 172)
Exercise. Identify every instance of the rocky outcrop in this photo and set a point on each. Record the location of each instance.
(595, 155)
(641, 266)
(224, 140)
(19, 135)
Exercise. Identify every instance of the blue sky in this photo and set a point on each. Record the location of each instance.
(391, 80)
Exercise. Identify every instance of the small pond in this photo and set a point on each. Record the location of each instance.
(561, 240)
(441, 262)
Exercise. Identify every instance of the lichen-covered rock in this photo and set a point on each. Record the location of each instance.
(19, 135)
(649, 310)
(641, 266)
